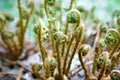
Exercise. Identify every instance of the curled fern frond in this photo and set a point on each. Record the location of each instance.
(53, 64)
(84, 49)
(7, 34)
(36, 67)
(102, 57)
(8, 16)
(30, 3)
(103, 28)
(115, 75)
(112, 37)
(60, 37)
(73, 16)
(36, 28)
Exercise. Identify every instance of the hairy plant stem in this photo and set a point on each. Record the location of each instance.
(113, 51)
(68, 50)
(66, 28)
(60, 1)
(117, 45)
(78, 40)
(67, 54)
(7, 44)
(87, 64)
(59, 61)
(73, 53)
(101, 73)
(51, 33)
(95, 50)
(114, 62)
(83, 65)
(39, 75)
(21, 36)
(15, 46)
(22, 27)
(28, 18)
(46, 9)
(42, 48)
(71, 4)
(66, 31)
(104, 66)
(50, 28)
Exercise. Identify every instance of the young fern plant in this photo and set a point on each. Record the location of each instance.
(15, 44)
(23, 15)
(103, 60)
(65, 44)
(84, 50)
(112, 39)
(59, 39)
(57, 64)
(50, 16)
(99, 42)
(38, 29)
(36, 68)
(78, 38)
(73, 16)
(114, 61)
(69, 21)
(49, 65)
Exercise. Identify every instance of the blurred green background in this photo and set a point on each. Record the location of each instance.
(104, 8)
(103, 11)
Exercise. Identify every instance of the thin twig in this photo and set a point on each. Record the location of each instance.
(25, 67)
(7, 73)
(20, 74)
(87, 64)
